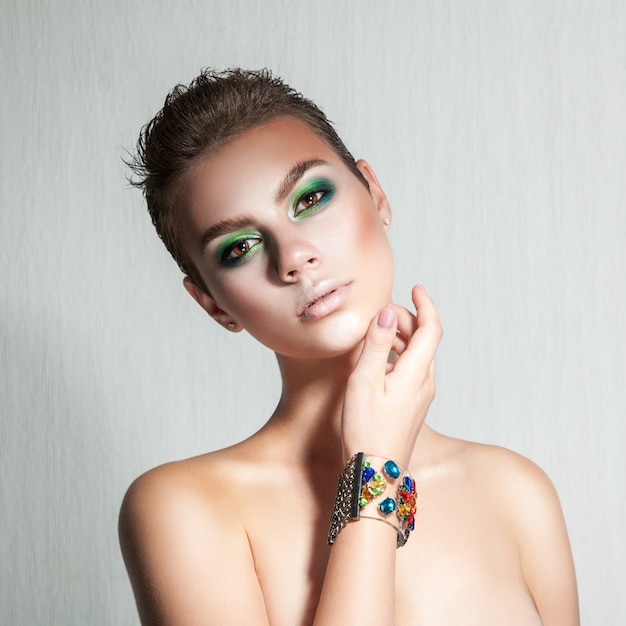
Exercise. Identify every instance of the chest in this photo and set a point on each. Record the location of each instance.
(460, 565)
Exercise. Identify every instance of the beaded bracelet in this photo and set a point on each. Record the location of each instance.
(362, 492)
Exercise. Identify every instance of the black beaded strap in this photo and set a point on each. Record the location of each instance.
(347, 500)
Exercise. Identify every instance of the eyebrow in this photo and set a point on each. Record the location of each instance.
(294, 175)
(231, 224)
(222, 228)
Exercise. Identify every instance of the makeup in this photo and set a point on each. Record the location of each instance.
(327, 304)
(238, 248)
(323, 299)
(313, 197)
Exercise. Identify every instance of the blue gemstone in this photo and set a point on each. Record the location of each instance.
(387, 506)
(391, 469)
(408, 483)
(368, 472)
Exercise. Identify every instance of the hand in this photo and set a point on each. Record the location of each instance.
(385, 404)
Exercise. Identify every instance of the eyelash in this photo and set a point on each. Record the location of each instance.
(231, 261)
(320, 188)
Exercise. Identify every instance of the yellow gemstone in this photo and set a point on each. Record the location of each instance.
(366, 495)
(376, 486)
(404, 510)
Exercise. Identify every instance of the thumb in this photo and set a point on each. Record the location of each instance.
(378, 342)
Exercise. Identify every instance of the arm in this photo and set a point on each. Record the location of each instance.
(182, 556)
(545, 552)
(384, 409)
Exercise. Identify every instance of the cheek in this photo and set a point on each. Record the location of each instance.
(238, 295)
(253, 303)
(378, 258)
(363, 240)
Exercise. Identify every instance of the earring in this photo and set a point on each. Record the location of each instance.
(386, 221)
(231, 325)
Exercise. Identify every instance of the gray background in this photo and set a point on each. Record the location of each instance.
(497, 128)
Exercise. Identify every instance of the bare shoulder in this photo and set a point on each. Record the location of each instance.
(183, 546)
(506, 470)
(524, 493)
(175, 491)
(184, 479)
(494, 466)
(196, 491)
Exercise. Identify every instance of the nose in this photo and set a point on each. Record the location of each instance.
(295, 258)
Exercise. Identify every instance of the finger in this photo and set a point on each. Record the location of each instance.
(425, 311)
(399, 344)
(423, 343)
(407, 322)
(376, 347)
(429, 330)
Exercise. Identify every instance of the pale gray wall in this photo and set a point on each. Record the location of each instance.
(497, 128)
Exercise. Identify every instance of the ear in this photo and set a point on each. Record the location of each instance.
(210, 306)
(376, 191)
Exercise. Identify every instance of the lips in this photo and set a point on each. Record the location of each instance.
(324, 299)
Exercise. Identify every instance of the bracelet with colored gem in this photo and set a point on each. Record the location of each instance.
(375, 488)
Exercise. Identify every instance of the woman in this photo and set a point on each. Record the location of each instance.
(279, 232)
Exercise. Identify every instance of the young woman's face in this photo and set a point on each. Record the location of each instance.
(291, 245)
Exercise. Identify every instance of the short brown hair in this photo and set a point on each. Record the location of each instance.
(198, 119)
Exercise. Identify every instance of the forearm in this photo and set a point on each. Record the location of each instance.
(359, 587)
(360, 583)
(373, 515)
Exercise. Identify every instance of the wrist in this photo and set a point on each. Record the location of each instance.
(398, 453)
(378, 488)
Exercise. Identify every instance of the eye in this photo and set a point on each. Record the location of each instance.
(313, 198)
(240, 250)
(310, 200)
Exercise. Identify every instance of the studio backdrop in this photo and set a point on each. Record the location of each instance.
(497, 129)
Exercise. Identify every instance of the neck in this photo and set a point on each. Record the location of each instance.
(309, 411)
(306, 424)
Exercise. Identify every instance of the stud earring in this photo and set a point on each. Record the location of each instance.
(386, 221)
(231, 325)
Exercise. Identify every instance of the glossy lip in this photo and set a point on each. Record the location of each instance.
(323, 299)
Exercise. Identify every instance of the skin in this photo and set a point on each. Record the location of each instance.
(238, 536)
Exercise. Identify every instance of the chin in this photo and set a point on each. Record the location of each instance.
(350, 330)
(337, 336)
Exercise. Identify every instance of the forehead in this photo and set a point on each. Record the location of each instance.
(253, 165)
(278, 141)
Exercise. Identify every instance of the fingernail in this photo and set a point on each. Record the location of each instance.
(386, 318)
